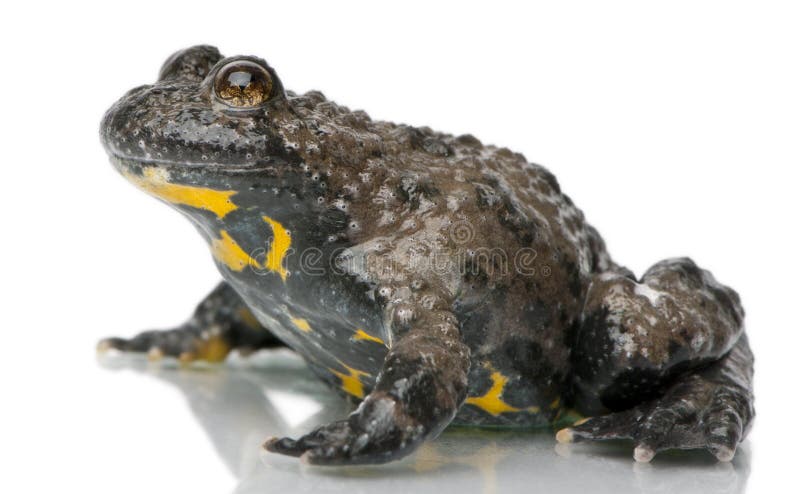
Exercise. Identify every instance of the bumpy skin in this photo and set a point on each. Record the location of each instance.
(434, 278)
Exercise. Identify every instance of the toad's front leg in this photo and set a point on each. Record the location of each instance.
(221, 323)
(418, 391)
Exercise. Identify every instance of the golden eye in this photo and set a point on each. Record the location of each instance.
(243, 84)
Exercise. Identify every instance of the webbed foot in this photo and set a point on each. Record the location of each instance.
(377, 432)
(711, 409)
(422, 384)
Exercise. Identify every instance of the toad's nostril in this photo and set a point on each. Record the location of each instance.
(191, 63)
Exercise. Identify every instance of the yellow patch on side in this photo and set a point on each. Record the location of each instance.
(361, 335)
(351, 382)
(301, 324)
(492, 401)
(154, 181)
(281, 241)
(228, 252)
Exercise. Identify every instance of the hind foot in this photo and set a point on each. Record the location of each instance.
(711, 409)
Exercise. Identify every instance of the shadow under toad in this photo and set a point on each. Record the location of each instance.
(273, 393)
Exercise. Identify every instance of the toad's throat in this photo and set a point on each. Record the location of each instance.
(225, 249)
(156, 182)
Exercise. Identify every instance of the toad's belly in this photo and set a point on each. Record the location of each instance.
(499, 399)
(341, 339)
(518, 365)
(518, 338)
(516, 335)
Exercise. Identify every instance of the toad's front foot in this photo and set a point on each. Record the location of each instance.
(220, 324)
(186, 343)
(422, 384)
(377, 432)
(711, 409)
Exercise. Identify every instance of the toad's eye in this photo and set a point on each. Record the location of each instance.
(243, 84)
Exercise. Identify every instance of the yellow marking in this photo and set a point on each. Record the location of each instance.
(351, 382)
(491, 401)
(555, 404)
(281, 241)
(214, 349)
(301, 324)
(228, 252)
(154, 181)
(361, 335)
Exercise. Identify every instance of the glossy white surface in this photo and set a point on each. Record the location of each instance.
(240, 404)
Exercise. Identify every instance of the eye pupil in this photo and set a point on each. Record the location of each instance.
(243, 84)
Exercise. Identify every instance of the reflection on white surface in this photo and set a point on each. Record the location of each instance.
(241, 404)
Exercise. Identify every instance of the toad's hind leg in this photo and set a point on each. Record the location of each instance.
(221, 323)
(668, 357)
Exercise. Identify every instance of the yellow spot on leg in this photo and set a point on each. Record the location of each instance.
(281, 241)
(301, 324)
(361, 335)
(492, 401)
(155, 182)
(214, 349)
(228, 252)
(351, 382)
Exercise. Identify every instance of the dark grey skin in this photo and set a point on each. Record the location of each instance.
(435, 279)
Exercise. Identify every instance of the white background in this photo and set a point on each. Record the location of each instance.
(673, 125)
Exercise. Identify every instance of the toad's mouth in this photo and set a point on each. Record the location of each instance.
(125, 163)
(206, 186)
